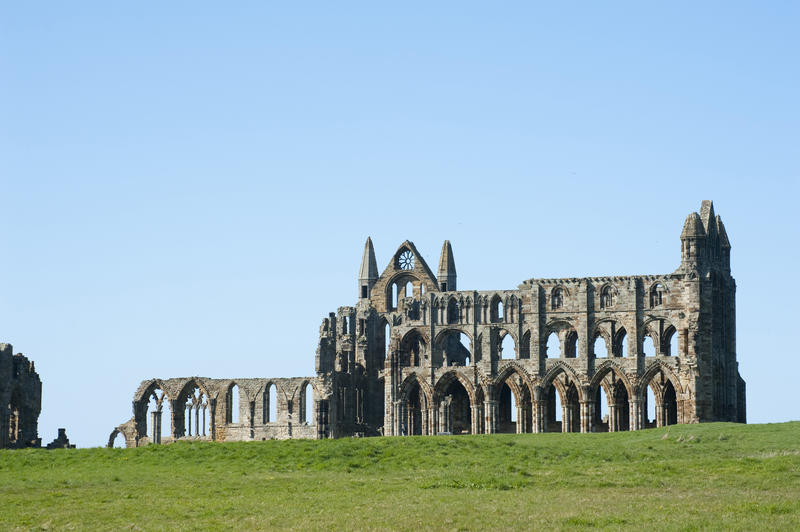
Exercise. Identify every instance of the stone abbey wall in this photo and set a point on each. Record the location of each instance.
(415, 355)
(21, 399)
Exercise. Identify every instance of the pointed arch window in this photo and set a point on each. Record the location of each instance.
(656, 295)
(607, 297)
(557, 298)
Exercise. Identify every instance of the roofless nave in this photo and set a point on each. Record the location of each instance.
(416, 355)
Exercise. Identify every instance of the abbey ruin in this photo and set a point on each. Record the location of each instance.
(21, 395)
(416, 355)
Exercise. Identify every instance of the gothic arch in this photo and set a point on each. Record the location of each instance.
(550, 379)
(606, 367)
(650, 372)
(446, 379)
(608, 296)
(414, 348)
(148, 387)
(512, 368)
(414, 380)
(448, 330)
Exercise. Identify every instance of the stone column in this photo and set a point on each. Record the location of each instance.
(445, 422)
(490, 411)
(397, 419)
(635, 413)
(520, 419)
(612, 417)
(587, 416)
(156, 424)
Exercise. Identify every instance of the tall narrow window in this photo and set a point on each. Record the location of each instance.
(233, 404)
(308, 400)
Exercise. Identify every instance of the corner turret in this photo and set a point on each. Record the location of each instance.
(369, 271)
(447, 269)
(693, 243)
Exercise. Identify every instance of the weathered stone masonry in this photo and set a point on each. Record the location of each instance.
(415, 355)
(21, 399)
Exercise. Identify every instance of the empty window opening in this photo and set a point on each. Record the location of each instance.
(670, 342)
(553, 346)
(571, 347)
(308, 402)
(272, 411)
(600, 350)
(452, 311)
(465, 343)
(233, 404)
(409, 289)
(656, 295)
(159, 418)
(648, 347)
(394, 296)
(195, 410)
(507, 348)
(496, 310)
(413, 349)
(364, 291)
(621, 343)
(422, 289)
(453, 347)
(443, 287)
(345, 328)
(386, 338)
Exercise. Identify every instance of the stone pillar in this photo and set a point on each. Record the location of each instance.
(397, 419)
(445, 421)
(520, 419)
(155, 423)
(490, 411)
(587, 416)
(635, 413)
(612, 417)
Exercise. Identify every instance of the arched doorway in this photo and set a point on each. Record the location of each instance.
(455, 414)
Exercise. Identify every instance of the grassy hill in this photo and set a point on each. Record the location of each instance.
(718, 476)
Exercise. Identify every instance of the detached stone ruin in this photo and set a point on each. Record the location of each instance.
(416, 355)
(21, 398)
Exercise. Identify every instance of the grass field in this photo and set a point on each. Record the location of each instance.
(711, 476)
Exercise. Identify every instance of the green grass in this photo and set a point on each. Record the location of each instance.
(711, 476)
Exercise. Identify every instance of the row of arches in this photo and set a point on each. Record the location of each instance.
(655, 295)
(191, 414)
(560, 403)
(454, 347)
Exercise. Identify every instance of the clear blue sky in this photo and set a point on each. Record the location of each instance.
(186, 187)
